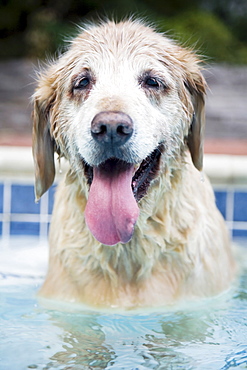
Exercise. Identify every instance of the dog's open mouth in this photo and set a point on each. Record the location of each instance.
(115, 188)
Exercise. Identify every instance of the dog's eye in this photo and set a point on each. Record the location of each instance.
(83, 83)
(152, 82)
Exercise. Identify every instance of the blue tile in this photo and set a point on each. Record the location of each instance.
(240, 206)
(1, 228)
(23, 200)
(220, 198)
(24, 228)
(52, 192)
(1, 198)
(239, 233)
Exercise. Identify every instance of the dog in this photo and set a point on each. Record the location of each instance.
(134, 222)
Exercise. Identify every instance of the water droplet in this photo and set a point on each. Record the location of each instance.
(59, 165)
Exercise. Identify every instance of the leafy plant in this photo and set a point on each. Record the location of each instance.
(207, 34)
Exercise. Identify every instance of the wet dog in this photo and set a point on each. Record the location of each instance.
(133, 223)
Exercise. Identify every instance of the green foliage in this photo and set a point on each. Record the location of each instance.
(207, 35)
(46, 33)
(37, 28)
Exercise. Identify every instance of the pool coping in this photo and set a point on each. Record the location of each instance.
(17, 163)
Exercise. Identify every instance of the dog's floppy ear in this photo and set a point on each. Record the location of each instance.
(43, 143)
(196, 85)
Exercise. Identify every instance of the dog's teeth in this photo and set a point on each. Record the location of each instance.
(134, 184)
(136, 167)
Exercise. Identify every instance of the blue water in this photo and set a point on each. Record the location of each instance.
(211, 334)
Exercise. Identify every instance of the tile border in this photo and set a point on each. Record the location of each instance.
(10, 221)
(227, 173)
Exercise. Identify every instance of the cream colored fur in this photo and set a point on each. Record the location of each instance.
(180, 247)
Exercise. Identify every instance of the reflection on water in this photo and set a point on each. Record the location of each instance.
(209, 335)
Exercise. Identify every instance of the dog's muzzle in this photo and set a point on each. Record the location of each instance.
(116, 185)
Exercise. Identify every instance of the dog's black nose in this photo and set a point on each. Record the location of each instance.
(112, 128)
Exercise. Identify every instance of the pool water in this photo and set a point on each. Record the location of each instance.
(211, 334)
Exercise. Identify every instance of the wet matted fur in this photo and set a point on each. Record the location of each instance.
(134, 223)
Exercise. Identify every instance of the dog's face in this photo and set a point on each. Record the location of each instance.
(121, 97)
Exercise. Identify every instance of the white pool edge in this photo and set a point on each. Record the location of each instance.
(17, 163)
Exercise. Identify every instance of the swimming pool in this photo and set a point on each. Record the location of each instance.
(38, 334)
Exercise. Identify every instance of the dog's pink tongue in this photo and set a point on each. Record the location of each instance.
(111, 211)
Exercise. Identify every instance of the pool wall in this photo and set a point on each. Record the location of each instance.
(20, 215)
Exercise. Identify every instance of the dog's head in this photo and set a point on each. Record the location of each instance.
(121, 97)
